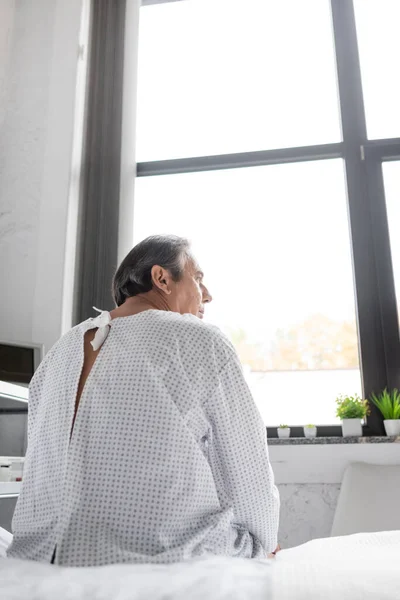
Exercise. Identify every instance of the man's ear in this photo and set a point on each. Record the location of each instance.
(161, 279)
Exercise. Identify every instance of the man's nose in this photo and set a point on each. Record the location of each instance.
(206, 295)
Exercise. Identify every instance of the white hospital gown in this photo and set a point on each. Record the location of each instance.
(167, 459)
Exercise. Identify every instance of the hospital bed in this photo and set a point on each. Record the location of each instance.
(356, 567)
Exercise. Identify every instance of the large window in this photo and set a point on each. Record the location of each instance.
(223, 76)
(252, 142)
(379, 42)
(391, 177)
(273, 242)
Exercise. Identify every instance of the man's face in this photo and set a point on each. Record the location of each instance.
(190, 295)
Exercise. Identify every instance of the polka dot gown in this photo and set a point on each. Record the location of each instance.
(168, 456)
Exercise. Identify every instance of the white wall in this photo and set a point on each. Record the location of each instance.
(128, 145)
(39, 43)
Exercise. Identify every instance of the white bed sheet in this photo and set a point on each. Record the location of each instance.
(358, 567)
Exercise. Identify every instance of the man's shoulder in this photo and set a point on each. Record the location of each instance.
(192, 329)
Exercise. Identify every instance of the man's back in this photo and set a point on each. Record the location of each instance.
(139, 479)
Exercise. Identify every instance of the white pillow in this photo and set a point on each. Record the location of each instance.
(369, 500)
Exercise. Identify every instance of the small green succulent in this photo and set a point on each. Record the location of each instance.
(388, 403)
(351, 407)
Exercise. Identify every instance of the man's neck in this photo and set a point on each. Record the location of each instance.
(153, 300)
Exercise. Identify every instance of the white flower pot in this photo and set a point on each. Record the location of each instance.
(310, 432)
(351, 428)
(284, 433)
(392, 426)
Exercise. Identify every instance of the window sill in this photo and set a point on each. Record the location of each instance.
(299, 441)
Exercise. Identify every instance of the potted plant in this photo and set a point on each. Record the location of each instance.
(352, 410)
(310, 431)
(283, 431)
(389, 405)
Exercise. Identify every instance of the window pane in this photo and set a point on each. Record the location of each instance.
(224, 76)
(274, 245)
(391, 177)
(378, 23)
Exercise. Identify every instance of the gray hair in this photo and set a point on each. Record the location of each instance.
(133, 276)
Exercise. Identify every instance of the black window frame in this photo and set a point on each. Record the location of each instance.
(375, 298)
